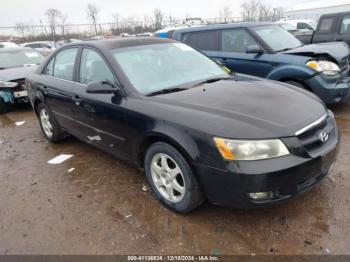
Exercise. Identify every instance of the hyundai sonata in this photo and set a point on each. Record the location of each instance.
(198, 131)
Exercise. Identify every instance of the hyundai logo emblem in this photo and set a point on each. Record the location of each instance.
(323, 136)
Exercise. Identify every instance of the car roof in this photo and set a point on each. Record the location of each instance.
(224, 26)
(6, 49)
(115, 43)
(336, 14)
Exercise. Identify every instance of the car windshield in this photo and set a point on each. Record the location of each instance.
(151, 68)
(16, 58)
(277, 38)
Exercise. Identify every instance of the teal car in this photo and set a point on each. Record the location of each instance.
(267, 50)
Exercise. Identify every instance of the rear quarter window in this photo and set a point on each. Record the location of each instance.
(206, 40)
(326, 25)
(345, 25)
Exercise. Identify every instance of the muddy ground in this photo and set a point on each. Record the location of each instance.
(100, 207)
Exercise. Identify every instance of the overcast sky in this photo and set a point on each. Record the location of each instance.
(32, 11)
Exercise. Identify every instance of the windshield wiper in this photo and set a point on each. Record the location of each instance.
(166, 91)
(211, 80)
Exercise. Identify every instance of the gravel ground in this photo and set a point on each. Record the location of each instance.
(101, 207)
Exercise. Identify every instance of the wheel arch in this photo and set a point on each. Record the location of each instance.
(154, 137)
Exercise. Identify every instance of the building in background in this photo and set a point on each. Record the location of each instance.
(313, 10)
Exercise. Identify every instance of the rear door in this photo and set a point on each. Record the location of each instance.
(56, 85)
(234, 43)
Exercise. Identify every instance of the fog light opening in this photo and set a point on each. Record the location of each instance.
(261, 195)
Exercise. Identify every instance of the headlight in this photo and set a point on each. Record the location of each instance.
(326, 67)
(250, 149)
(4, 84)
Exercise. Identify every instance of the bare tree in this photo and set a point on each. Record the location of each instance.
(250, 10)
(158, 18)
(225, 14)
(52, 16)
(20, 28)
(116, 20)
(63, 22)
(265, 12)
(92, 14)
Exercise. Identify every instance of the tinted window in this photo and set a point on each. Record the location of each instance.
(207, 40)
(94, 68)
(49, 68)
(237, 40)
(345, 25)
(304, 26)
(34, 45)
(326, 25)
(64, 64)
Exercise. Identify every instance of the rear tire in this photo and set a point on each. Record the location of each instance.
(171, 178)
(49, 125)
(3, 106)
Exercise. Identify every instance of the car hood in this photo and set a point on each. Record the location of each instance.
(337, 50)
(242, 109)
(15, 73)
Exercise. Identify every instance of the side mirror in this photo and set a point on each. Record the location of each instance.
(102, 87)
(253, 49)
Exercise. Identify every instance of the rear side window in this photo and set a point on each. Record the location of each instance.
(64, 64)
(345, 25)
(93, 68)
(326, 25)
(237, 40)
(206, 40)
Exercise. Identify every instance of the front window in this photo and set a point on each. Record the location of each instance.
(277, 38)
(152, 68)
(237, 40)
(17, 58)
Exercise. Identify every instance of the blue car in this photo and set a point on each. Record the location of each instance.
(267, 50)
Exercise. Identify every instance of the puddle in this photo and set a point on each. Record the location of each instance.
(5, 121)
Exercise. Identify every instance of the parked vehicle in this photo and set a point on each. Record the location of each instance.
(43, 47)
(8, 44)
(267, 50)
(15, 63)
(330, 28)
(198, 131)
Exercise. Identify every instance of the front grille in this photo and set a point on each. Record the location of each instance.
(344, 66)
(310, 140)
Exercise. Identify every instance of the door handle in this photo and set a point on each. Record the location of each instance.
(76, 99)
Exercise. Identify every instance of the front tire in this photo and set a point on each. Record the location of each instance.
(49, 125)
(171, 178)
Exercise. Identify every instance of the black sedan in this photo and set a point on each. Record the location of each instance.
(199, 132)
(15, 64)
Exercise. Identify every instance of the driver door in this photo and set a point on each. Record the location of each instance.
(101, 116)
(234, 44)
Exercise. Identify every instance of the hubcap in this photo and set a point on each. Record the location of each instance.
(45, 123)
(167, 177)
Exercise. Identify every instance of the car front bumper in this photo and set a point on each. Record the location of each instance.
(331, 90)
(285, 177)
